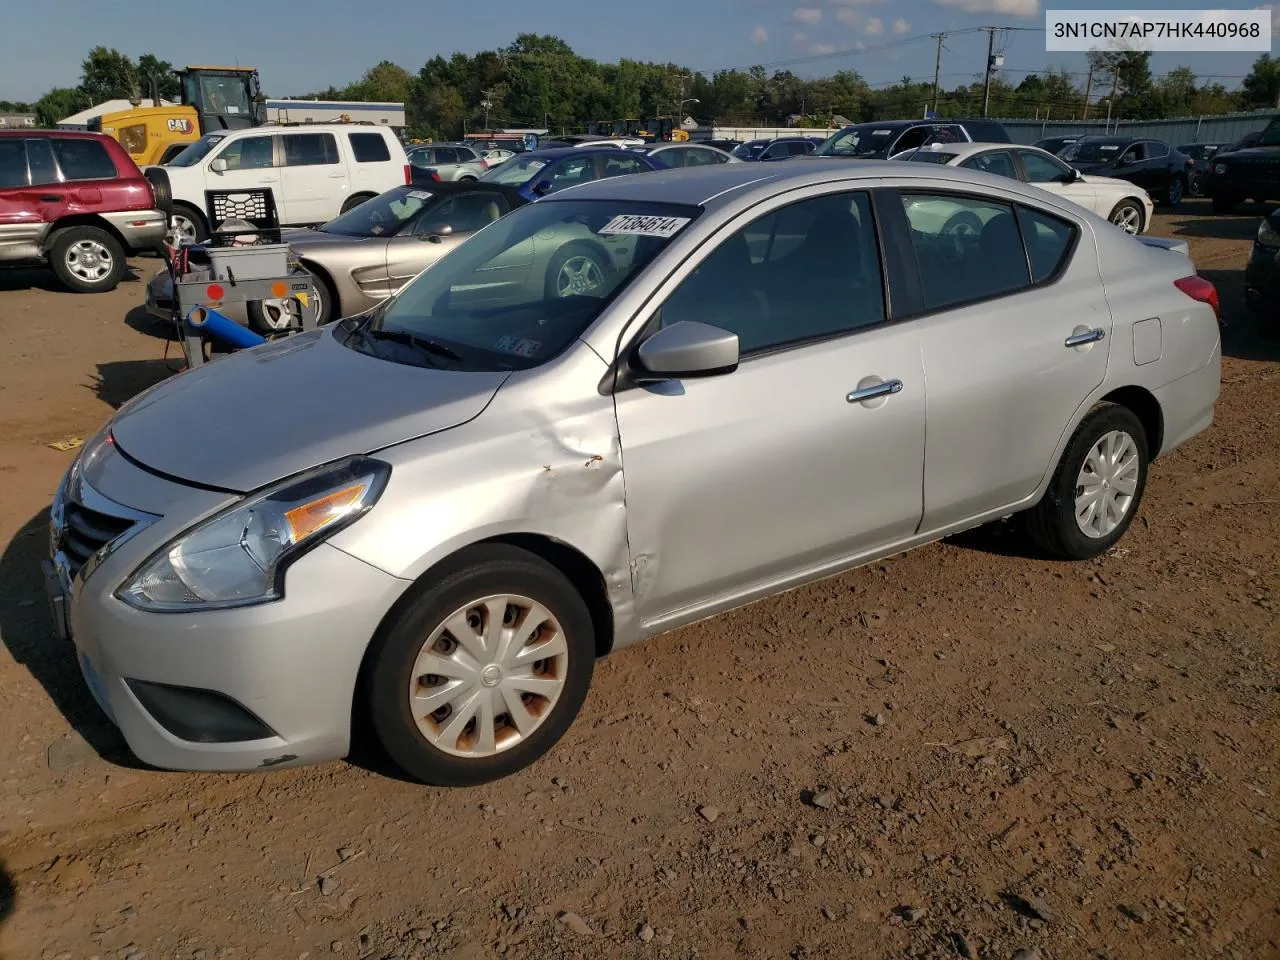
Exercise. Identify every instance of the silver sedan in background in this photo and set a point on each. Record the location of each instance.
(467, 495)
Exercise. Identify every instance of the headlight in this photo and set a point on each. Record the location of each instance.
(1219, 168)
(1268, 235)
(238, 557)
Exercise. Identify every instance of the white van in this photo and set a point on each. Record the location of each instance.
(315, 171)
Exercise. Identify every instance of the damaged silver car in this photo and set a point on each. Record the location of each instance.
(466, 495)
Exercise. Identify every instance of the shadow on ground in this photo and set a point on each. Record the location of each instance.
(27, 632)
(8, 898)
(42, 278)
(120, 381)
(1245, 336)
(141, 320)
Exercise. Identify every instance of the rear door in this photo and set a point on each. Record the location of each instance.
(314, 179)
(1015, 336)
(21, 225)
(251, 164)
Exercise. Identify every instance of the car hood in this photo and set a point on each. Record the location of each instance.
(303, 239)
(1098, 180)
(259, 415)
(1247, 154)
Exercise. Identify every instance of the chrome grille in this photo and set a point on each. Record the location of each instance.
(85, 532)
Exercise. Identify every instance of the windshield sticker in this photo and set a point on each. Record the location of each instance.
(519, 346)
(638, 225)
(420, 194)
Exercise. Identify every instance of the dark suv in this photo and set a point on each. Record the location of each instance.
(884, 139)
(1251, 173)
(76, 201)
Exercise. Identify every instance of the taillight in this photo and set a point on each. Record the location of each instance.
(435, 175)
(408, 174)
(1198, 288)
(484, 164)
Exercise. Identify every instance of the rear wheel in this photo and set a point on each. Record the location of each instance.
(1176, 191)
(189, 224)
(577, 269)
(1096, 489)
(268, 317)
(354, 201)
(87, 259)
(483, 671)
(1127, 215)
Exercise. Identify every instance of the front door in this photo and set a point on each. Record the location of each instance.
(438, 230)
(1015, 341)
(1049, 173)
(251, 165)
(811, 452)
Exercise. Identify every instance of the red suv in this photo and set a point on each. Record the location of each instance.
(76, 201)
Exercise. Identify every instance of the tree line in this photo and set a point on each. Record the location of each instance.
(539, 81)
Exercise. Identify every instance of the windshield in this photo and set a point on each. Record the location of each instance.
(515, 172)
(214, 94)
(520, 291)
(1099, 152)
(381, 216)
(197, 151)
(865, 140)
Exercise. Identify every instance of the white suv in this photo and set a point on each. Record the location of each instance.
(314, 171)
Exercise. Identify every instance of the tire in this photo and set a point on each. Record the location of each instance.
(1176, 190)
(1196, 185)
(1128, 211)
(587, 267)
(1052, 523)
(466, 179)
(87, 259)
(199, 227)
(265, 317)
(354, 201)
(1225, 204)
(460, 757)
(158, 177)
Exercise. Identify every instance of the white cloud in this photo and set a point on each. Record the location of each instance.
(848, 16)
(759, 35)
(853, 3)
(799, 38)
(1275, 16)
(1010, 8)
(874, 27)
(901, 26)
(822, 48)
(809, 16)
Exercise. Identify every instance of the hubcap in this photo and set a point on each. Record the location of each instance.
(1175, 191)
(578, 275)
(281, 314)
(1107, 484)
(488, 676)
(1126, 219)
(89, 260)
(182, 228)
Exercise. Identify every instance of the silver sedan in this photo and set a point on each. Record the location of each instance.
(468, 494)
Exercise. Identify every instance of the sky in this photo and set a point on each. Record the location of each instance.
(299, 47)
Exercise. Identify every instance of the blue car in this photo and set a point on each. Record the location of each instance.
(541, 172)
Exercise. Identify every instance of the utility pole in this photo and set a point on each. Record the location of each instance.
(1115, 81)
(1088, 92)
(937, 69)
(986, 83)
(486, 104)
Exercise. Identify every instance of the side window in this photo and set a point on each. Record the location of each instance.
(621, 166)
(915, 137)
(675, 158)
(465, 213)
(809, 270)
(446, 155)
(83, 159)
(369, 147)
(568, 173)
(1155, 149)
(1042, 169)
(310, 149)
(467, 155)
(13, 163)
(1048, 240)
(948, 133)
(966, 249)
(1132, 154)
(40, 160)
(997, 162)
(248, 153)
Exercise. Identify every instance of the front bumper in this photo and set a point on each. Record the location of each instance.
(141, 229)
(290, 665)
(1262, 282)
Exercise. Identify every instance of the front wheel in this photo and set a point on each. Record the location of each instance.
(577, 269)
(87, 259)
(483, 671)
(1127, 215)
(269, 317)
(354, 201)
(1095, 492)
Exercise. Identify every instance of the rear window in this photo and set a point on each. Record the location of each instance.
(369, 147)
(309, 149)
(83, 159)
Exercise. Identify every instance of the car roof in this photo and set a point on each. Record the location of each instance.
(710, 185)
(45, 132)
(554, 153)
(968, 149)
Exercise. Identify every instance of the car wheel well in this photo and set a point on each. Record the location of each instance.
(1147, 409)
(349, 203)
(313, 268)
(82, 220)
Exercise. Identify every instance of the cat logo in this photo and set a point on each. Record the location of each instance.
(179, 125)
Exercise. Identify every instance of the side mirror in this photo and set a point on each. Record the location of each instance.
(436, 232)
(542, 188)
(218, 166)
(688, 349)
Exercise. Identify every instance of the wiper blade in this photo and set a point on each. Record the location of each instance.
(425, 344)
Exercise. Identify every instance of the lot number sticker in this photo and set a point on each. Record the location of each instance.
(637, 225)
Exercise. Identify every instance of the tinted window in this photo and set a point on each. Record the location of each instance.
(446, 155)
(568, 173)
(1047, 238)
(915, 137)
(465, 155)
(465, 213)
(1133, 154)
(698, 157)
(13, 163)
(967, 249)
(309, 149)
(996, 162)
(673, 158)
(83, 159)
(1086, 151)
(247, 153)
(369, 147)
(1042, 169)
(864, 140)
(930, 156)
(621, 166)
(1156, 149)
(808, 270)
(40, 160)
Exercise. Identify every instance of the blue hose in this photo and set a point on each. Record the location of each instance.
(210, 323)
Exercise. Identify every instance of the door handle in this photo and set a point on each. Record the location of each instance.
(1091, 336)
(885, 389)
(51, 198)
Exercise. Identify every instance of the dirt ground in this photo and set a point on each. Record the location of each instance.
(966, 751)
